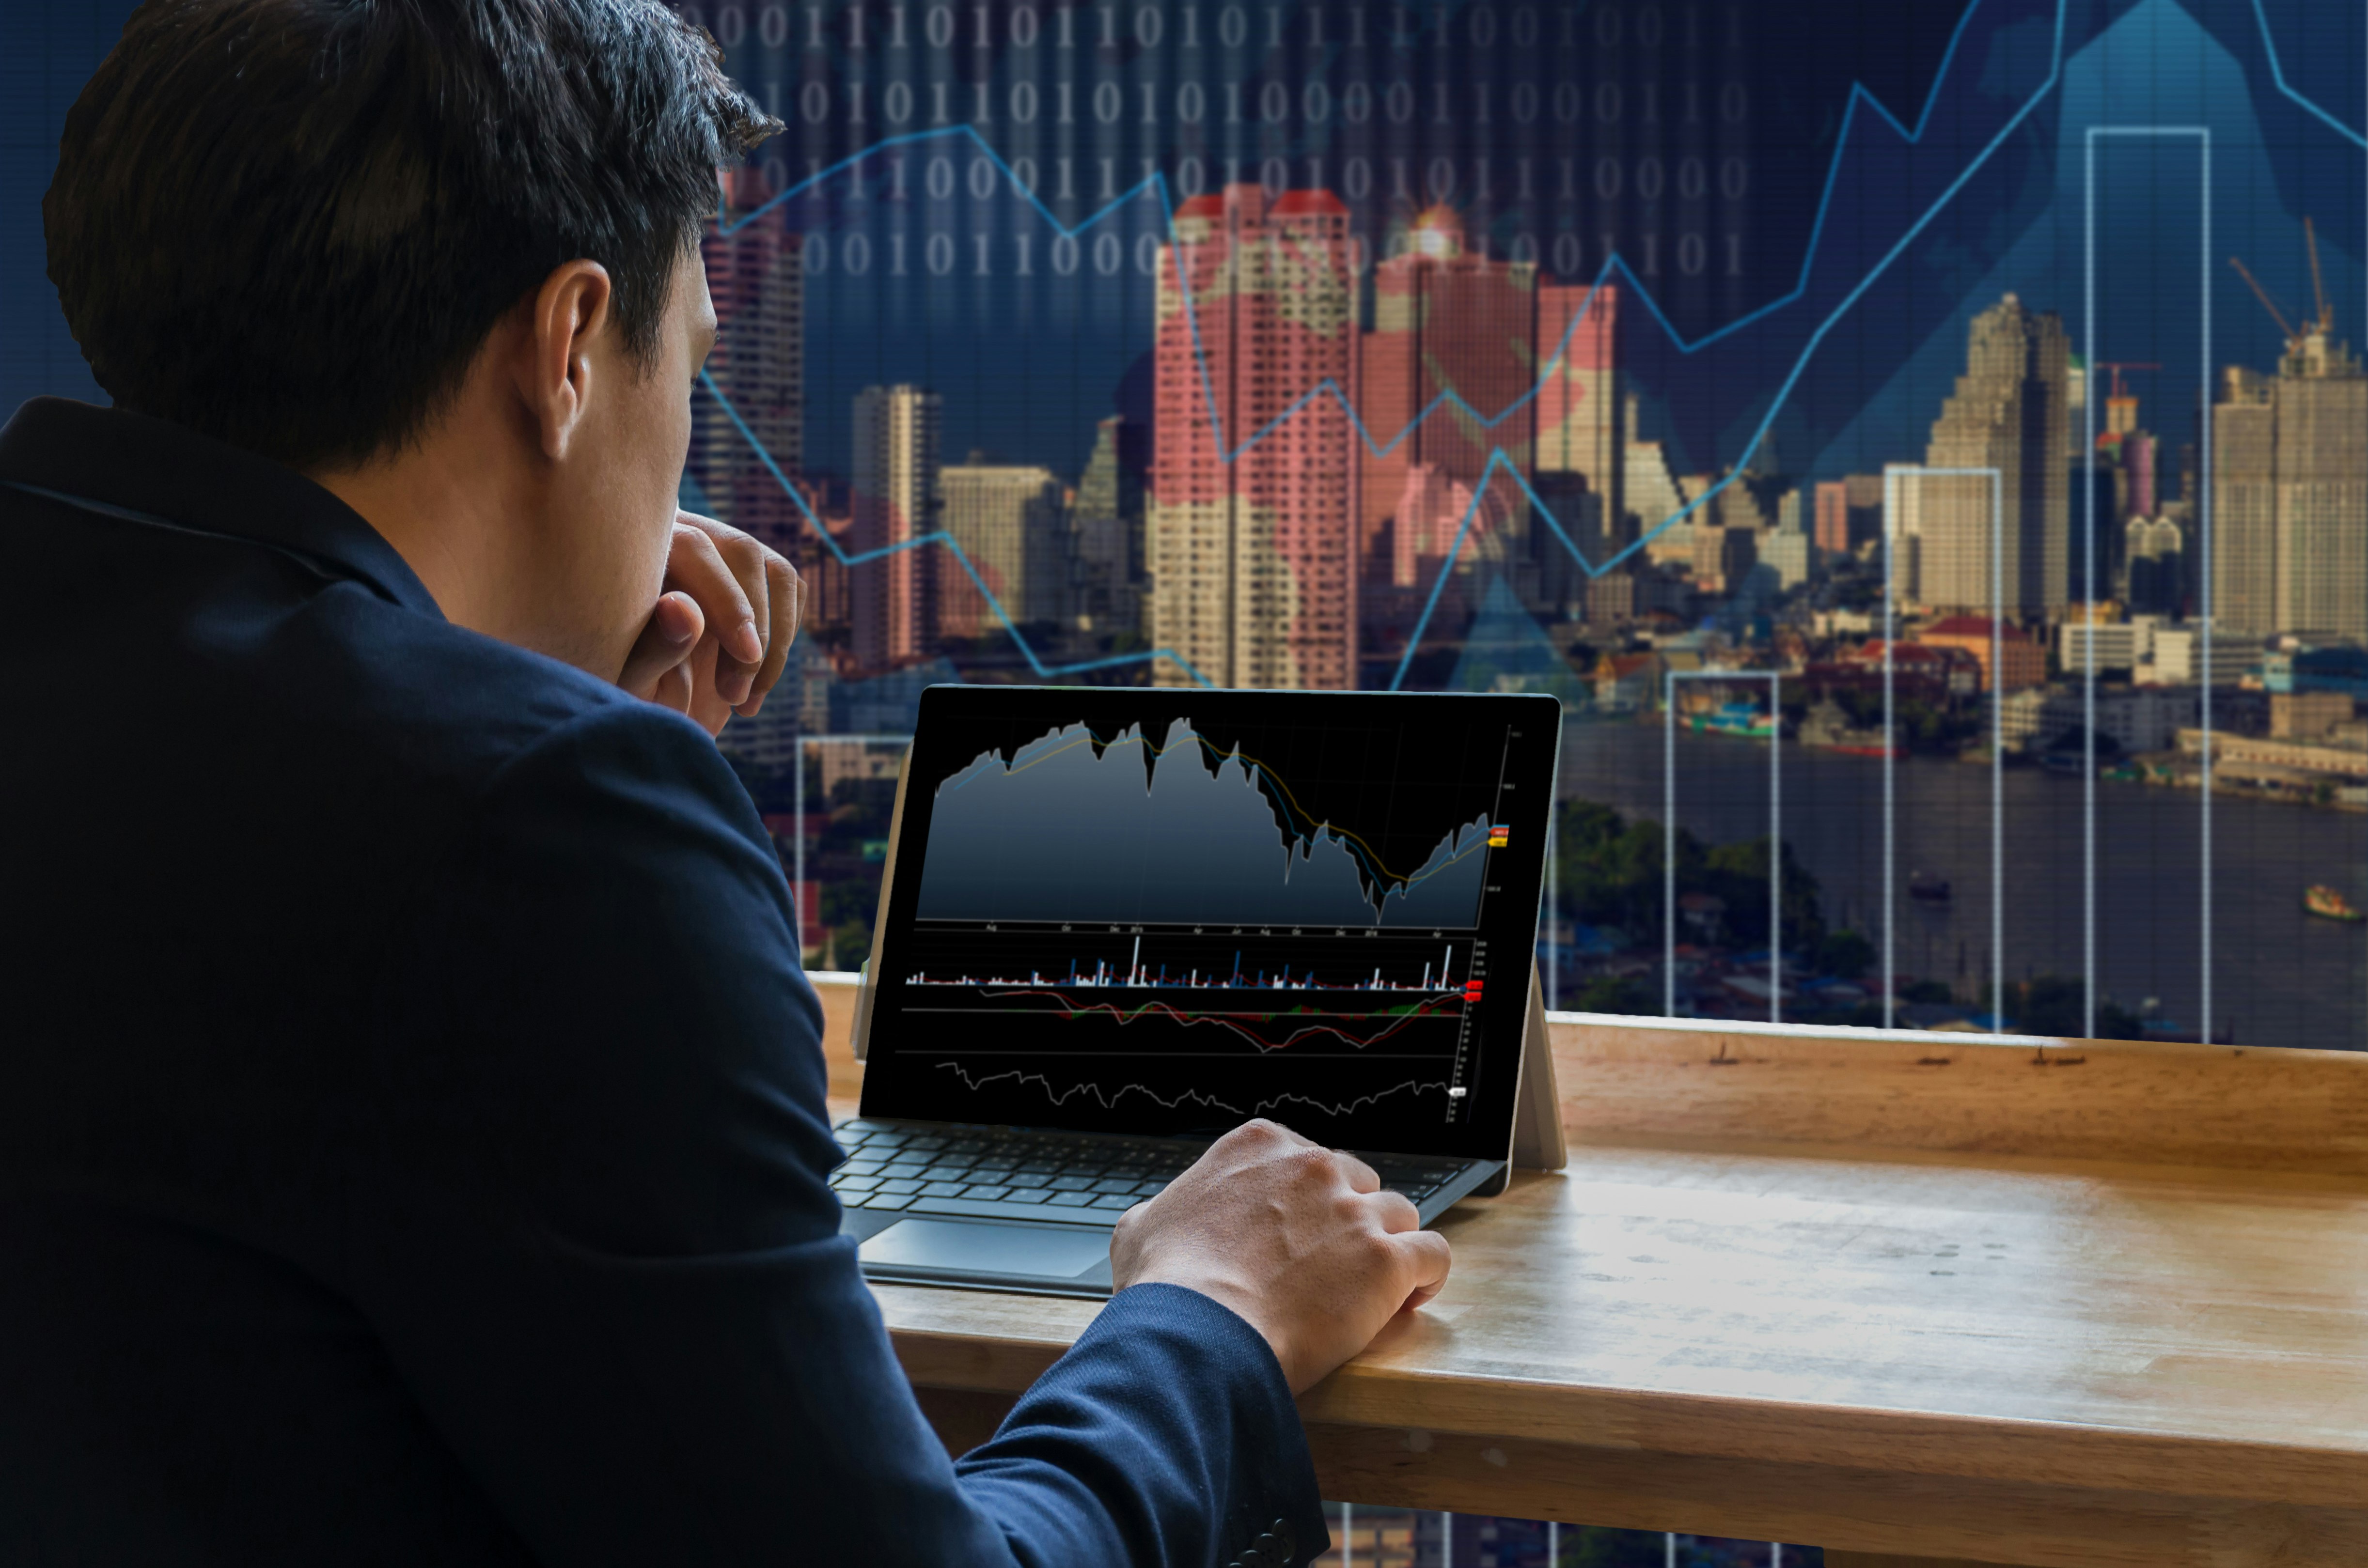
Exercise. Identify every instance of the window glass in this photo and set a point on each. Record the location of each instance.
(1852, 413)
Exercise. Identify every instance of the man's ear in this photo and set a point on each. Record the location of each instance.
(566, 314)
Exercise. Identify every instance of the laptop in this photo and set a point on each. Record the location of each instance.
(1117, 923)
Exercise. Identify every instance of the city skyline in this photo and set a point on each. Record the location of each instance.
(1464, 510)
(1708, 505)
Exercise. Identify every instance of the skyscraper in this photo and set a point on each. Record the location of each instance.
(1105, 588)
(1446, 319)
(2154, 549)
(2290, 494)
(1833, 531)
(2008, 414)
(895, 488)
(757, 282)
(1849, 512)
(1654, 497)
(1580, 405)
(1253, 560)
(1007, 517)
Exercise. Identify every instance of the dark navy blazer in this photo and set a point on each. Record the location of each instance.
(412, 1138)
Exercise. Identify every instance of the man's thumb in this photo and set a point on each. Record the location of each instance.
(672, 631)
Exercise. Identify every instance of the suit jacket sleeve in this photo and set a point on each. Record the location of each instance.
(589, 1221)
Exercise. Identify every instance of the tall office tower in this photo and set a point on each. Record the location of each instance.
(2007, 413)
(2121, 414)
(894, 476)
(1104, 589)
(2155, 583)
(1253, 560)
(1433, 511)
(1785, 549)
(1007, 519)
(755, 277)
(2101, 489)
(2114, 483)
(1653, 496)
(1722, 556)
(2140, 455)
(1446, 319)
(2290, 495)
(1849, 512)
(1832, 527)
(830, 615)
(1579, 400)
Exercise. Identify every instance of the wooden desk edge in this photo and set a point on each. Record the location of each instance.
(1715, 1428)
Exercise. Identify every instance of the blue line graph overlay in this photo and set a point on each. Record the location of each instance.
(1156, 185)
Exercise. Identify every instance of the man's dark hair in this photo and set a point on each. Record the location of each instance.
(291, 224)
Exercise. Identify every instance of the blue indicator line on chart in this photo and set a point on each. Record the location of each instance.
(1155, 184)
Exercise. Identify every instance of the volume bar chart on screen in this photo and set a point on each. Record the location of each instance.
(1136, 974)
(1171, 829)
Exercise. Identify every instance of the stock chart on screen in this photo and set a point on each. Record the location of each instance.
(1170, 913)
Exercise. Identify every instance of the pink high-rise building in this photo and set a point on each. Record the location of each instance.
(1849, 512)
(1249, 526)
(1432, 511)
(2139, 457)
(755, 277)
(1832, 527)
(1446, 320)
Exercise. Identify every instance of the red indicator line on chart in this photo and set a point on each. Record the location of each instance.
(1067, 1008)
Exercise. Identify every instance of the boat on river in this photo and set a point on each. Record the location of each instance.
(1827, 728)
(1745, 720)
(2328, 904)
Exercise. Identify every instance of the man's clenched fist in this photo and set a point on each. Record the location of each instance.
(719, 633)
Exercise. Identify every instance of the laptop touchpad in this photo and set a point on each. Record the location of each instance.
(1045, 1251)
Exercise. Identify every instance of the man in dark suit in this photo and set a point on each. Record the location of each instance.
(411, 1132)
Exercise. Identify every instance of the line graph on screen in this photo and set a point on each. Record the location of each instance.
(1073, 827)
(1257, 1028)
(1111, 1098)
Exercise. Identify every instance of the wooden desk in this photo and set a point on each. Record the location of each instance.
(1908, 1298)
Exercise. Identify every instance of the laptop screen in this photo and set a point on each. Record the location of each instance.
(1154, 911)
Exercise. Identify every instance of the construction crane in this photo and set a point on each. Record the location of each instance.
(2118, 365)
(2322, 324)
(2294, 339)
(2317, 283)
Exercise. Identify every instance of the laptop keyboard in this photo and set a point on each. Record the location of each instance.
(1003, 1173)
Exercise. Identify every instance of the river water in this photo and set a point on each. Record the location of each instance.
(2279, 976)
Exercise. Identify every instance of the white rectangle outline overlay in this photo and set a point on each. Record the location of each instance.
(1775, 679)
(2203, 549)
(1998, 732)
